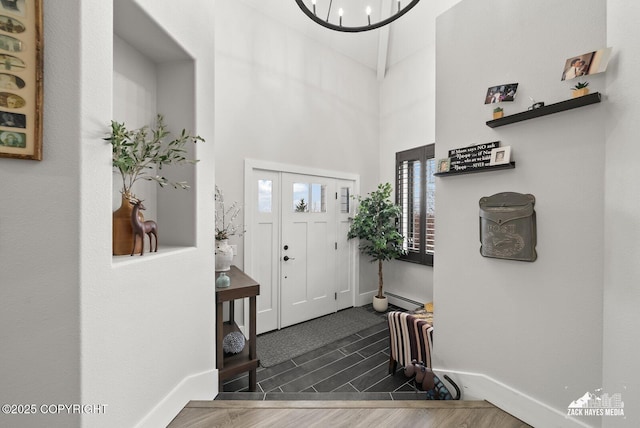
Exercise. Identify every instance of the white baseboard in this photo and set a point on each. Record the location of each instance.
(200, 386)
(365, 298)
(476, 386)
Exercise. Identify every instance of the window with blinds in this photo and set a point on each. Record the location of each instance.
(415, 193)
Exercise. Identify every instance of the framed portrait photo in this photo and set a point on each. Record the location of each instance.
(21, 68)
(444, 165)
(501, 93)
(500, 156)
(586, 64)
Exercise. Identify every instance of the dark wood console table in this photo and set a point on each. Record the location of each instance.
(242, 286)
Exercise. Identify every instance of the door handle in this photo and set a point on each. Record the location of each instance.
(287, 258)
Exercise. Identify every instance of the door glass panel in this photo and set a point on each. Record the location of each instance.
(344, 200)
(318, 198)
(265, 192)
(301, 197)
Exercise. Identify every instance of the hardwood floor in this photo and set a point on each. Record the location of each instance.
(281, 414)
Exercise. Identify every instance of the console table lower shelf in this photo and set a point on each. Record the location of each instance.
(230, 365)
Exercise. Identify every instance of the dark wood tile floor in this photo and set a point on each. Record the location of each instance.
(353, 368)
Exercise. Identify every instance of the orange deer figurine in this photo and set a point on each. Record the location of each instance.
(141, 228)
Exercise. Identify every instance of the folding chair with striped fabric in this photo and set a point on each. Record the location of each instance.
(410, 338)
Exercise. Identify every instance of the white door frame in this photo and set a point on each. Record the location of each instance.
(249, 166)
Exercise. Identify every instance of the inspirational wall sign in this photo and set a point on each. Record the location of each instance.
(471, 157)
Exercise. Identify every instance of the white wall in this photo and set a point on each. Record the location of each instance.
(39, 243)
(526, 329)
(282, 97)
(78, 328)
(148, 324)
(622, 273)
(407, 120)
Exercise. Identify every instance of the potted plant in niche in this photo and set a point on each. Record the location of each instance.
(498, 113)
(374, 224)
(225, 228)
(580, 89)
(139, 154)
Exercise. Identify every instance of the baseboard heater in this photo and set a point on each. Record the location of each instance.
(418, 304)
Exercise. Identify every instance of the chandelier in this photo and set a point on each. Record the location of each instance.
(355, 16)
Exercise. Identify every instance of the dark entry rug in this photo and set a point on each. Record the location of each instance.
(290, 342)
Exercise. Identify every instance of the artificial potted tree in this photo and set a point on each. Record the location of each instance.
(139, 154)
(498, 112)
(375, 225)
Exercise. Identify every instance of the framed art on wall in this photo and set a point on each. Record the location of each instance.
(500, 156)
(21, 56)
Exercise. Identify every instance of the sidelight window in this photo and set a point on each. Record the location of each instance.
(415, 193)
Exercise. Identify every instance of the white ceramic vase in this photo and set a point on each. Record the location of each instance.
(224, 255)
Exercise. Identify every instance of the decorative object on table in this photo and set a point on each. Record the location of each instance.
(444, 165)
(225, 227)
(375, 225)
(224, 255)
(500, 93)
(136, 154)
(498, 112)
(21, 79)
(233, 343)
(223, 281)
(141, 228)
(425, 379)
(580, 89)
(355, 19)
(586, 64)
(500, 156)
(508, 226)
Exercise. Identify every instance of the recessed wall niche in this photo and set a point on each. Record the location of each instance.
(153, 74)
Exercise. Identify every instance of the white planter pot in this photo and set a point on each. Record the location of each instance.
(380, 305)
(224, 255)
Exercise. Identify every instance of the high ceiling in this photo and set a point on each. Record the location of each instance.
(376, 49)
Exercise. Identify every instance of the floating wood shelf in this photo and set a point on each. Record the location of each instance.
(548, 109)
(509, 165)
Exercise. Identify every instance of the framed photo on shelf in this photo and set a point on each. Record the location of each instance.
(500, 156)
(21, 70)
(501, 93)
(586, 64)
(444, 165)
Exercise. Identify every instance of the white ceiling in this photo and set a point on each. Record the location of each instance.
(370, 48)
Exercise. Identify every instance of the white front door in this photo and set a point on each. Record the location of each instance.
(303, 218)
(308, 248)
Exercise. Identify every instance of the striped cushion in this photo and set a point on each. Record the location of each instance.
(411, 338)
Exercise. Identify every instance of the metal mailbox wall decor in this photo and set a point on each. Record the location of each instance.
(508, 226)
